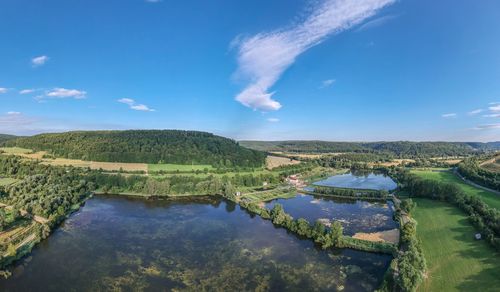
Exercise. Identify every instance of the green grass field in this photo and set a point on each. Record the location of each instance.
(7, 181)
(177, 167)
(489, 198)
(455, 260)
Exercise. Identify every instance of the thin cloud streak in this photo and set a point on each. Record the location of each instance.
(26, 91)
(450, 115)
(495, 108)
(488, 127)
(375, 22)
(327, 83)
(263, 58)
(133, 105)
(475, 112)
(39, 61)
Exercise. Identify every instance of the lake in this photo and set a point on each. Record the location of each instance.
(353, 180)
(354, 215)
(116, 243)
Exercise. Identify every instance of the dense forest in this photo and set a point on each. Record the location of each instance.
(400, 149)
(146, 146)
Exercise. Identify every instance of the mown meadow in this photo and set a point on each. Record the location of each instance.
(456, 261)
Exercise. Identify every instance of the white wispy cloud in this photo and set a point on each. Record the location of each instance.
(135, 106)
(492, 115)
(60, 93)
(273, 120)
(495, 107)
(26, 91)
(327, 83)
(376, 22)
(488, 126)
(450, 115)
(3, 90)
(264, 57)
(39, 61)
(475, 112)
(13, 113)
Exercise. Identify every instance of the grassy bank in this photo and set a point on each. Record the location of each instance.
(455, 260)
(489, 198)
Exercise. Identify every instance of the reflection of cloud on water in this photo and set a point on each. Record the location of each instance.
(365, 204)
(315, 201)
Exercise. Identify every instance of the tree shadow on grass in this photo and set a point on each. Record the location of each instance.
(488, 278)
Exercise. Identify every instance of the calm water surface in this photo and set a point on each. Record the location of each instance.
(369, 181)
(114, 243)
(355, 215)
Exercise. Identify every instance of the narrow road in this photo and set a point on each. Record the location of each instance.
(474, 184)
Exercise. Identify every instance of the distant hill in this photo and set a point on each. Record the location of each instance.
(5, 137)
(147, 146)
(398, 148)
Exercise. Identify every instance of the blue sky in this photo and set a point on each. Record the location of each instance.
(364, 70)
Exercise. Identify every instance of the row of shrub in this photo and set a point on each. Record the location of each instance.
(351, 193)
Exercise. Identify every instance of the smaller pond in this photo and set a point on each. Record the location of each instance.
(353, 180)
(355, 215)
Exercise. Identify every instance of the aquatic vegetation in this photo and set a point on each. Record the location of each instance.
(195, 245)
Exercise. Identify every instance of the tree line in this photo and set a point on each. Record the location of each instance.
(399, 149)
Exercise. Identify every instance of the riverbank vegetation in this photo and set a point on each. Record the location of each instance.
(350, 193)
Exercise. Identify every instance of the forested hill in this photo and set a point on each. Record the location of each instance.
(147, 146)
(5, 137)
(399, 148)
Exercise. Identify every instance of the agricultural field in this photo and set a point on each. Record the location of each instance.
(107, 166)
(489, 198)
(276, 161)
(455, 260)
(177, 167)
